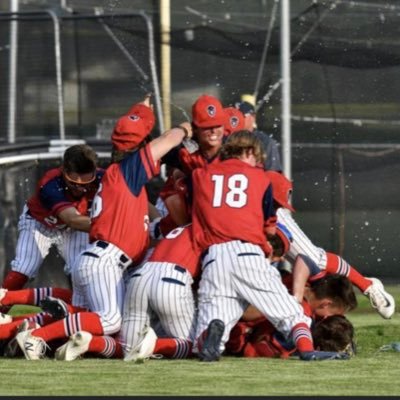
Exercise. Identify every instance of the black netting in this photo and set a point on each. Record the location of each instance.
(344, 90)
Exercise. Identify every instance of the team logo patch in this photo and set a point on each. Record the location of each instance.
(134, 117)
(234, 122)
(211, 110)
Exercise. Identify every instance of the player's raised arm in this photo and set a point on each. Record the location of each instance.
(170, 139)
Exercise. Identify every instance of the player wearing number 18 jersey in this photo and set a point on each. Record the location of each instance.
(232, 203)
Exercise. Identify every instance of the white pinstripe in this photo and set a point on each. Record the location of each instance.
(35, 240)
(149, 294)
(98, 284)
(236, 274)
(301, 244)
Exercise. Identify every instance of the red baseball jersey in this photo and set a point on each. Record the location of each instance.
(120, 207)
(191, 161)
(231, 201)
(52, 196)
(178, 248)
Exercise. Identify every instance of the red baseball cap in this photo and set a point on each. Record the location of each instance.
(144, 112)
(129, 132)
(235, 120)
(281, 187)
(207, 111)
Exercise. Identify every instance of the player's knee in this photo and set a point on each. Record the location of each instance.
(111, 323)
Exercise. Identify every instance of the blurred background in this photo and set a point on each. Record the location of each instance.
(71, 68)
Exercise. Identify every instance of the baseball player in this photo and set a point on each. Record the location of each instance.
(317, 260)
(57, 214)
(119, 231)
(208, 122)
(235, 120)
(232, 213)
(272, 161)
(259, 338)
(159, 290)
(162, 287)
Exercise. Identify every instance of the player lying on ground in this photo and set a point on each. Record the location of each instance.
(318, 259)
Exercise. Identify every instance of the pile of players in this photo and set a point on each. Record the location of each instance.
(196, 275)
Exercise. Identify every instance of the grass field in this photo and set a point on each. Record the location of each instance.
(370, 373)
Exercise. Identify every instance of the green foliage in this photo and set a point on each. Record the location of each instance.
(370, 373)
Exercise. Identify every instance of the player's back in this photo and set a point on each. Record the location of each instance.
(228, 199)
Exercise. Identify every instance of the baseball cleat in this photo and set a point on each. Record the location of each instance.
(33, 347)
(77, 345)
(57, 308)
(3, 293)
(381, 300)
(145, 348)
(12, 348)
(211, 346)
(5, 319)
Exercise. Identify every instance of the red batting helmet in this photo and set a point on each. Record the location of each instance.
(281, 187)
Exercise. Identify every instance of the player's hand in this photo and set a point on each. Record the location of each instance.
(322, 355)
(147, 100)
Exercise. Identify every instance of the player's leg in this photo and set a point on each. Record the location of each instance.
(104, 289)
(171, 298)
(219, 307)
(260, 284)
(137, 312)
(72, 244)
(34, 242)
(300, 243)
(33, 296)
(84, 342)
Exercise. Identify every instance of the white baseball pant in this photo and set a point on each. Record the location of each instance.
(98, 283)
(236, 274)
(301, 244)
(35, 240)
(161, 291)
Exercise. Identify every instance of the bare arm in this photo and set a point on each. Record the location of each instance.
(74, 220)
(301, 273)
(169, 139)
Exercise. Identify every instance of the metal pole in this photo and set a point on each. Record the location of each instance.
(57, 50)
(286, 100)
(153, 70)
(165, 28)
(12, 78)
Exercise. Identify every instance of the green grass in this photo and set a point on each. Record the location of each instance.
(370, 373)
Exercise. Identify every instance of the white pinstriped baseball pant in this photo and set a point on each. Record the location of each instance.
(301, 244)
(35, 240)
(98, 283)
(236, 274)
(161, 291)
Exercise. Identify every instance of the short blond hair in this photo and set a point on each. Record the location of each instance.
(241, 142)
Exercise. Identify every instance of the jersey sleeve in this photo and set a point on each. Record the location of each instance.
(268, 208)
(138, 168)
(52, 196)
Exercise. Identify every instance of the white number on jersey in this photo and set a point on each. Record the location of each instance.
(236, 197)
(97, 204)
